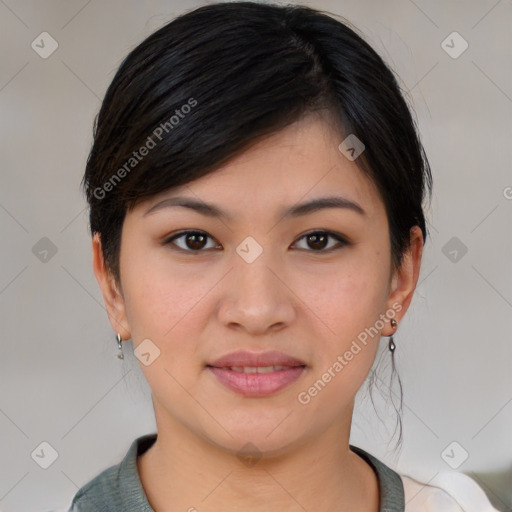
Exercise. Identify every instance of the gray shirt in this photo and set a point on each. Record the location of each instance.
(119, 489)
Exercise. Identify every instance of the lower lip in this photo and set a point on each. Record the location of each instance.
(257, 384)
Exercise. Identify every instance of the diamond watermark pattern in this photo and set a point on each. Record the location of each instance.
(44, 249)
(454, 249)
(44, 45)
(147, 352)
(454, 45)
(249, 249)
(351, 147)
(45, 455)
(249, 454)
(454, 455)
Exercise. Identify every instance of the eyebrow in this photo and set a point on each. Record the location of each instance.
(210, 210)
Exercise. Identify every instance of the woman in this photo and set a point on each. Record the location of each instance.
(255, 190)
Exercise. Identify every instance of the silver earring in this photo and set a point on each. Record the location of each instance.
(119, 346)
(391, 344)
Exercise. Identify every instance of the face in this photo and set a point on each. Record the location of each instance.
(315, 285)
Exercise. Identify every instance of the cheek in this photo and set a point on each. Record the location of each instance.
(164, 302)
(344, 306)
(157, 302)
(165, 307)
(344, 345)
(345, 298)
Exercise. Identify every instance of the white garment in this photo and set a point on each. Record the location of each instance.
(448, 491)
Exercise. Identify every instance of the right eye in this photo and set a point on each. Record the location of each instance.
(193, 241)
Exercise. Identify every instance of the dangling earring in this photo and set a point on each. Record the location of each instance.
(391, 344)
(119, 346)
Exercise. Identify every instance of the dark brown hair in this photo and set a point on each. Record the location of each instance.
(209, 83)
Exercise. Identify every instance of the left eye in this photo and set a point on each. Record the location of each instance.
(319, 240)
(194, 241)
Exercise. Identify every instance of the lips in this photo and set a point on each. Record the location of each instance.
(257, 384)
(253, 374)
(266, 359)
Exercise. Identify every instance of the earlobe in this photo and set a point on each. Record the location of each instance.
(406, 277)
(114, 301)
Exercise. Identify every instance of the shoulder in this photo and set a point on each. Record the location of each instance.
(448, 491)
(92, 497)
(118, 487)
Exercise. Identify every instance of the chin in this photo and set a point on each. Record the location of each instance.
(256, 443)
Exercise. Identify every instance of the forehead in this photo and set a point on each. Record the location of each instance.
(296, 164)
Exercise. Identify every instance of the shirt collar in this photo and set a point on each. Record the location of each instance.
(391, 487)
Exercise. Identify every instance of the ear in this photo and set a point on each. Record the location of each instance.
(113, 298)
(405, 278)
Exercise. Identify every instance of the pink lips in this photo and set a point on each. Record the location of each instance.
(268, 358)
(257, 384)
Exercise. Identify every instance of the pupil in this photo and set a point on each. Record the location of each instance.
(197, 239)
(313, 239)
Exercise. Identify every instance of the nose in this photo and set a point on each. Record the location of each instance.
(256, 297)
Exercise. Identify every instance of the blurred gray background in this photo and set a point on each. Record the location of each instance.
(60, 380)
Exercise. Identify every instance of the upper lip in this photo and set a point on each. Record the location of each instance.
(246, 358)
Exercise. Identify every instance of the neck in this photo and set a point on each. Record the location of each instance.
(183, 471)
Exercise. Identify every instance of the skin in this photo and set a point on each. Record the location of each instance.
(306, 300)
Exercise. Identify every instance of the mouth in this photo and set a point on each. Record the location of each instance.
(257, 382)
(248, 359)
(256, 369)
(257, 374)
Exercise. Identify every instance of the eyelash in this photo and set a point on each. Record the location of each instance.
(342, 240)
